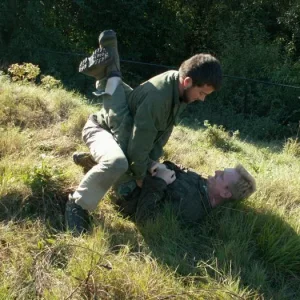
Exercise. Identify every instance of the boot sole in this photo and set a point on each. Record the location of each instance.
(84, 65)
(96, 63)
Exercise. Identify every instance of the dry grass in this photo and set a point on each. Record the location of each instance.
(245, 251)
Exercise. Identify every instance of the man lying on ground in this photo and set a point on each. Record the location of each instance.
(190, 195)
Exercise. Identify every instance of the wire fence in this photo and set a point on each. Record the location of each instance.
(161, 66)
(173, 67)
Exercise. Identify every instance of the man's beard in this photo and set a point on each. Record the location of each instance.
(184, 97)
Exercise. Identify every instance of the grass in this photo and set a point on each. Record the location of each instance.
(250, 250)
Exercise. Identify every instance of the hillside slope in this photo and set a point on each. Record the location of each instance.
(246, 251)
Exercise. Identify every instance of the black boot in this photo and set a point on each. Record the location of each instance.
(77, 219)
(104, 62)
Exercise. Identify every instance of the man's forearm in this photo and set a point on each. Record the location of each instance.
(151, 197)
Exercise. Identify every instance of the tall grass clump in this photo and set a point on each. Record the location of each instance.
(12, 141)
(218, 137)
(292, 147)
(78, 117)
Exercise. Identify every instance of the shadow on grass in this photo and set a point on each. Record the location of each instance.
(46, 202)
(47, 208)
(255, 247)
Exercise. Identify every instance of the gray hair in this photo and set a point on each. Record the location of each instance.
(244, 186)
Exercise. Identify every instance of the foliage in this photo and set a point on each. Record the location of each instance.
(49, 82)
(256, 39)
(26, 72)
(218, 137)
(42, 177)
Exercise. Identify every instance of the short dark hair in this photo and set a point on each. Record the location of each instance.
(203, 69)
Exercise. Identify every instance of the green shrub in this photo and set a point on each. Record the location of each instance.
(46, 182)
(218, 137)
(26, 72)
(49, 82)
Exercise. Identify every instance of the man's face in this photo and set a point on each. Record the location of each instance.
(219, 184)
(196, 93)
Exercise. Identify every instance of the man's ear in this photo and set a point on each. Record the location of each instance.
(225, 194)
(187, 82)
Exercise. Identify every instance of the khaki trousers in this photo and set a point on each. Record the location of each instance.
(110, 158)
(112, 163)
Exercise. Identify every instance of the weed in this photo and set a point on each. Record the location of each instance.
(49, 82)
(25, 73)
(48, 195)
(292, 147)
(218, 137)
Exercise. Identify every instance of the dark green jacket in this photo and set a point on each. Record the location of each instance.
(187, 197)
(142, 120)
(155, 106)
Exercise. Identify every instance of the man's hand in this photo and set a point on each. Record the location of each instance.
(167, 175)
(155, 167)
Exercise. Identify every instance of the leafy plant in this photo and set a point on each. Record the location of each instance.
(218, 137)
(48, 196)
(43, 178)
(26, 72)
(49, 82)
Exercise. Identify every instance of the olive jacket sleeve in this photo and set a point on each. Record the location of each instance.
(186, 195)
(151, 198)
(146, 128)
(154, 106)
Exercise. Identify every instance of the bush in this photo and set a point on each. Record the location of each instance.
(49, 82)
(218, 137)
(26, 72)
(47, 183)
